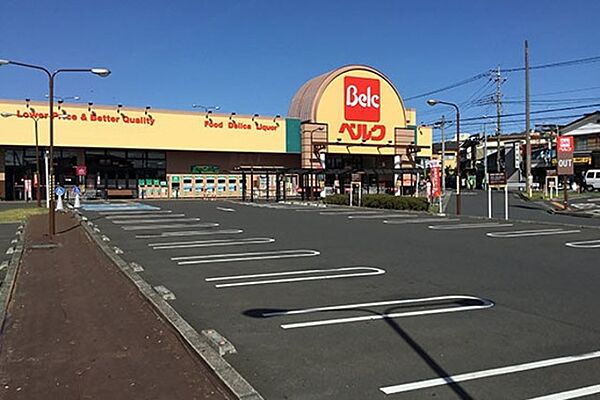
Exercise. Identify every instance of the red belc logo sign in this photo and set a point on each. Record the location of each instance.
(361, 99)
(362, 102)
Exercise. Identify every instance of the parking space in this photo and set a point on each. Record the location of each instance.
(7, 242)
(370, 304)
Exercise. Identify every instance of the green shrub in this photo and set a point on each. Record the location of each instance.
(338, 199)
(386, 201)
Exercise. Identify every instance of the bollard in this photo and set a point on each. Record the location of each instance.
(59, 204)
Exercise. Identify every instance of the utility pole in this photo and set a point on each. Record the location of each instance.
(498, 100)
(527, 125)
(442, 124)
(485, 151)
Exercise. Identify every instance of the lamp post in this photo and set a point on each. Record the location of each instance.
(102, 72)
(206, 108)
(433, 102)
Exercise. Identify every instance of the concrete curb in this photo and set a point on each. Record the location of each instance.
(222, 369)
(8, 285)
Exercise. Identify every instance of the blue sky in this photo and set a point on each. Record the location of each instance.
(251, 56)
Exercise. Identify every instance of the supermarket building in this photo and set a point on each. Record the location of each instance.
(346, 125)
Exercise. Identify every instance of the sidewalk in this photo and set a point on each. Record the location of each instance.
(77, 329)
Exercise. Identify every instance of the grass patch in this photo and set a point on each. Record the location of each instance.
(20, 214)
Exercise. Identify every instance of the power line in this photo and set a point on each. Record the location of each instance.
(532, 112)
(452, 86)
(520, 121)
(587, 60)
(587, 89)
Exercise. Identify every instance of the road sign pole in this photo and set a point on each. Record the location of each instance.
(489, 200)
(506, 202)
(566, 192)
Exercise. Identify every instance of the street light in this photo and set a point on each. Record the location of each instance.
(206, 108)
(102, 72)
(433, 102)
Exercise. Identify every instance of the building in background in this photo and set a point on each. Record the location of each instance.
(350, 122)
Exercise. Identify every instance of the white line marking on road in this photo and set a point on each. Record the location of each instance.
(469, 226)
(346, 212)
(484, 304)
(225, 209)
(135, 212)
(231, 257)
(447, 380)
(571, 394)
(380, 216)
(420, 221)
(586, 244)
(190, 233)
(211, 243)
(343, 274)
(169, 226)
(142, 216)
(154, 221)
(321, 209)
(535, 232)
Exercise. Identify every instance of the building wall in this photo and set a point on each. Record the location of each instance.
(99, 126)
(181, 162)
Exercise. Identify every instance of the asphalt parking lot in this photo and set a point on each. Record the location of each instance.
(7, 236)
(338, 304)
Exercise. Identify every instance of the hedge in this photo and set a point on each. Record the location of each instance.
(387, 201)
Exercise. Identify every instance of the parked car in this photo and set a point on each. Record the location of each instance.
(592, 179)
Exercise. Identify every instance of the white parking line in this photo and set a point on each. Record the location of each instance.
(535, 232)
(469, 226)
(346, 212)
(225, 209)
(586, 244)
(169, 226)
(231, 257)
(343, 273)
(420, 221)
(380, 216)
(153, 221)
(321, 209)
(571, 394)
(484, 304)
(189, 233)
(142, 216)
(136, 212)
(210, 243)
(448, 380)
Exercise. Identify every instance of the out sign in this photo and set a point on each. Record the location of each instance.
(565, 155)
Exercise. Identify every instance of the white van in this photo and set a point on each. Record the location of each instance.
(592, 179)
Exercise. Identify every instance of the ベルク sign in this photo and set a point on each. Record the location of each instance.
(564, 152)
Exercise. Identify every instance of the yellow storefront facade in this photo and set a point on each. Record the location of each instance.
(355, 113)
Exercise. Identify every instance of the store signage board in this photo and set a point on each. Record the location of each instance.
(81, 170)
(564, 150)
(497, 179)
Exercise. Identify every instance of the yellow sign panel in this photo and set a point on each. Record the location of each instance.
(76, 125)
(362, 109)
